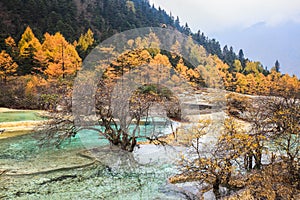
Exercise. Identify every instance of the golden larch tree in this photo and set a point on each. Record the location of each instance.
(28, 43)
(7, 66)
(86, 40)
(58, 57)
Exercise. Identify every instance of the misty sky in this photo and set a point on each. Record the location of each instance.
(218, 15)
(267, 30)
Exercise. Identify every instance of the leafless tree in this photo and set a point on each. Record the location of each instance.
(119, 117)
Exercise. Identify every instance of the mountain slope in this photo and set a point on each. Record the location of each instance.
(74, 17)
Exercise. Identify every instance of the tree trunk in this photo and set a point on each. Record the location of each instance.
(298, 178)
(258, 159)
(228, 175)
(248, 159)
(132, 145)
(216, 187)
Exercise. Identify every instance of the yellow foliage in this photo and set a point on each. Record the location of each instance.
(33, 84)
(10, 42)
(87, 40)
(7, 66)
(58, 57)
(28, 43)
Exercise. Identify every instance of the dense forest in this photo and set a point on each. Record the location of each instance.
(31, 29)
(73, 17)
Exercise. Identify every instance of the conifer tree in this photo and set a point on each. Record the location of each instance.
(7, 66)
(85, 43)
(58, 57)
(277, 66)
(11, 47)
(28, 46)
(242, 58)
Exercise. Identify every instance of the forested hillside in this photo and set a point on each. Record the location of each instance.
(72, 17)
(104, 17)
(43, 44)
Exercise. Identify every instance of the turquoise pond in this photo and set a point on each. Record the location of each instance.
(16, 116)
(35, 172)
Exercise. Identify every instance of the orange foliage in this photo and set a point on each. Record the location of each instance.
(34, 84)
(7, 66)
(58, 57)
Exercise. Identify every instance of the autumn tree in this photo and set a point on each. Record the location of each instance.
(272, 182)
(252, 67)
(12, 48)
(57, 57)
(258, 119)
(130, 6)
(223, 71)
(185, 69)
(269, 129)
(153, 43)
(253, 112)
(182, 69)
(272, 132)
(120, 124)
(275, 127)
(161, 66)
(85, 43)
(284, 112)
(237, 66)
(274, 78)
(176, 49)
(7, 66)
(28, 47)
(289, 85)
(213, 161)
(130, 60)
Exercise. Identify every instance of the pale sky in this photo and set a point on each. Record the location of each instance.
(267, 30)
(211, 16)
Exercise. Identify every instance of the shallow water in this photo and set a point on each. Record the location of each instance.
(72, 172)
(16, 116)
